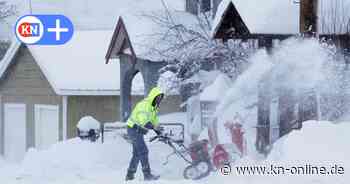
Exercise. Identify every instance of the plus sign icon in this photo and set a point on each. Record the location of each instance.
(44, 29)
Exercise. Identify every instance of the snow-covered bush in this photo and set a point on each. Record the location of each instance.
(87, 123)
(88, 128)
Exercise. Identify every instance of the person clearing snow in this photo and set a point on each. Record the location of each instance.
(143, 118)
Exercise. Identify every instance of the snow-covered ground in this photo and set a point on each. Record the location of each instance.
(76, 161)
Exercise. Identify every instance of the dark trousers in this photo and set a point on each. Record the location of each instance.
(139, 151)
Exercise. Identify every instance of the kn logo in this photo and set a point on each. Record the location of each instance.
(44, 29)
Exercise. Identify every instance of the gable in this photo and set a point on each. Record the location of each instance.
(272, 17)
(120, 42)
(145, 33)
(231, 24)
(24, 77)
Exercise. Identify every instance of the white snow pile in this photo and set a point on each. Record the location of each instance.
(317, 142)
(87, 123)
(76, 161)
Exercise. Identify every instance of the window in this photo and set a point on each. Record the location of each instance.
(204, 5)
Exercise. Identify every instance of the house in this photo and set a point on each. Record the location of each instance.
(273, 21)
(45, 90)
(135, 42)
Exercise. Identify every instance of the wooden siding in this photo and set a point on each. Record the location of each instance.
(102, 108)
(25, 78)
(25, 83)
(106, 109)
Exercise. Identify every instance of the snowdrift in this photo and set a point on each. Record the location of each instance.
(76, 161)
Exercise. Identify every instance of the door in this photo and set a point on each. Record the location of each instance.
(15, 131)
(46, 125)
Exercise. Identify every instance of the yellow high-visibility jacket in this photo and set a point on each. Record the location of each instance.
(144, 112)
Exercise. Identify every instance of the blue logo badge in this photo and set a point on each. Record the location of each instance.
(44, 29)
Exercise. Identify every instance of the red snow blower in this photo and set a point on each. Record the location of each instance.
(196, 155)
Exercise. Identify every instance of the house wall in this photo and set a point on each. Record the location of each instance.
(24, 83)
(102, 108)
(106, 109)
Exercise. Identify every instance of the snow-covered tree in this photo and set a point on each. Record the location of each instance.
(190, 47)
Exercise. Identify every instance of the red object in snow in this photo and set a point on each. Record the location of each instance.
(236, 134)
(220, 156)
(199, 150)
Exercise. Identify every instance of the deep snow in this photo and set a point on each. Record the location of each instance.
(76, 161)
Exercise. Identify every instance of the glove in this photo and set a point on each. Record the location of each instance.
(141, 130)
(149, 125)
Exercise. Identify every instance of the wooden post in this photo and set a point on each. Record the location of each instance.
(309, 17)
(263, 127)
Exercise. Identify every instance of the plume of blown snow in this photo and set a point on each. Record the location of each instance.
(298, 64)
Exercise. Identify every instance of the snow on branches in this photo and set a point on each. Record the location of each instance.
(185, 41)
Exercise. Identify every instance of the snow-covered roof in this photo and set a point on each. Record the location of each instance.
(145, 29)
(77, 67)
(10, 53)
(282, 16)
(267, 17)
(85, 14)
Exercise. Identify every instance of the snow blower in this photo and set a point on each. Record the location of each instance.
(196, 155)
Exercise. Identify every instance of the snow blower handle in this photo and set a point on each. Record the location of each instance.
(154, 138)
(161, 138)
